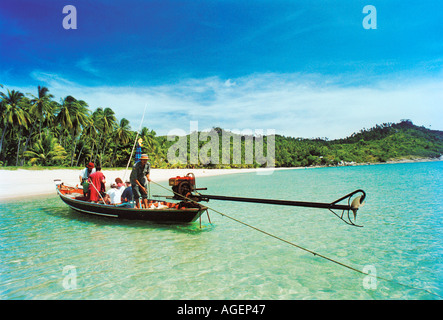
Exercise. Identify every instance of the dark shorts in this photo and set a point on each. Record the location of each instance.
(139, 193)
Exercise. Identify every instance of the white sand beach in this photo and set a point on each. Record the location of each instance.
(22, 183)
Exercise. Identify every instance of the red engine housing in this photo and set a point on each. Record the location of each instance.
(182, 185)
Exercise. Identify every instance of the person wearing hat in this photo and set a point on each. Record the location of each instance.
(139, 181)
(84, 175)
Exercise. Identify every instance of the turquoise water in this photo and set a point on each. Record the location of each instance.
(48, 251)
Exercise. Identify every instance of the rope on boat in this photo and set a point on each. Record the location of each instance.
(305, 249)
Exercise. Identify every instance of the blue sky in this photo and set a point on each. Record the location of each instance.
(303, 68)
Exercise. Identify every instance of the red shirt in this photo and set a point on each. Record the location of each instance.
(96, 179)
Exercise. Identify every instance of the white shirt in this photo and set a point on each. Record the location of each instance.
(84, 173)
(115, 195)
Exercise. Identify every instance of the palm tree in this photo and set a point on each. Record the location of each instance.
(148, 137)
(72, 116)
(80, 119)
(64, 116)
(12, 112)
(105, 121)
(23, 130)
(159, 154)
(40, 110)
(46, 151)
(49, 119)
(123, 131)
(121, 136)
(96, 119)
(89, 135)
(41, 106)
(109, 120)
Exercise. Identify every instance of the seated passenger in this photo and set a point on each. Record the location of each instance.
(113, 195)
(127, 195)
(119, 183)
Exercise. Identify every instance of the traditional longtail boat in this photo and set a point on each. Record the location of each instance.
(157, 211)
(189, 209)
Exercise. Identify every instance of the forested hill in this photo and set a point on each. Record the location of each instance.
(36, 130)
(389, 141)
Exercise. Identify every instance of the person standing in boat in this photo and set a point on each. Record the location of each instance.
(139, 181)
(138, 150)
(97, 181)
(84, 175)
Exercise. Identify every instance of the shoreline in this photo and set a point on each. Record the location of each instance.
(24, 183)
(399, 161)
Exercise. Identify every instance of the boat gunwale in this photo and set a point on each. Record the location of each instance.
(121, 206)
(162, 215)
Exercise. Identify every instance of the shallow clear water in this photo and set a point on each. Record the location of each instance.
(48, 251)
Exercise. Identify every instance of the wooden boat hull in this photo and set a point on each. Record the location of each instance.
(124, 211)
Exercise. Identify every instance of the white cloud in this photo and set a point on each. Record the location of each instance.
(54, 81)
(85, 64)
(293, 104)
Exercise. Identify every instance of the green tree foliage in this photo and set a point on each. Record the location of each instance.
(36, 130)
(46, 151)
(381, 143)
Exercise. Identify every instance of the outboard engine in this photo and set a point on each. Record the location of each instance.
(183, 186)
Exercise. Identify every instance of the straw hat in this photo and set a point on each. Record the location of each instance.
(144, 157)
